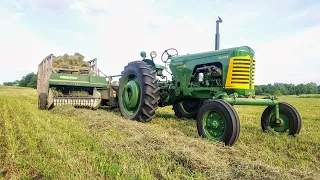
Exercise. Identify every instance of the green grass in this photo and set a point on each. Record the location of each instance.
(69, 143)
(310, 96)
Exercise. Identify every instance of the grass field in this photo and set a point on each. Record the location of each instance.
(68, 143)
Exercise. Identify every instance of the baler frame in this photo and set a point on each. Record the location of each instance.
(107, 91)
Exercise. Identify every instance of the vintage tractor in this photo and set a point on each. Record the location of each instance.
(204, 86)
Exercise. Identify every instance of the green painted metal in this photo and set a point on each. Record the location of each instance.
(276, 110)
(214, 125)
(280, 124)
(130, 95)
(182, 66)
(251, 101)
(76, 80)
(143, 54)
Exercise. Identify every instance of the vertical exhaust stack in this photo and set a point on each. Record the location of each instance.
(217, 41)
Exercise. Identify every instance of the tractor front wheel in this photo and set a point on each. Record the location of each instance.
(138, 92)
(217, 120)
(289, 119)
(187, 108)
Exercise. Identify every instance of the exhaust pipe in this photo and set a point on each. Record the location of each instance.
(217, 41)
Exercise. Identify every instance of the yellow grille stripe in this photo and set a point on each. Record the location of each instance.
(239, 72)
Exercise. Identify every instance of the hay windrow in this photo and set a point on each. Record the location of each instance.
(71, 143)
(197, 155)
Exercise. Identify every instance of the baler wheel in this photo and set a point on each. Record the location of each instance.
(42, 101)
(138, 92)
(187, 108)
(217, 120)
(290, 119)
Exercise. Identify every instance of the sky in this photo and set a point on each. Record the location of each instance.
(284, 34)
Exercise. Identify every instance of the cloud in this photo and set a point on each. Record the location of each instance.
(116, 31)
(289, 59)
(56, 5)
(123, 34)
(14, 17)
(22, 51)
(80, 6)
(92, 7)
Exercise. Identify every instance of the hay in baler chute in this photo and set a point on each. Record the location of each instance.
(66, 61)
(71, 93)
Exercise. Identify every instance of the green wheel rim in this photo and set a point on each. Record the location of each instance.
(130, 94)
(280, 126)
(214, 125)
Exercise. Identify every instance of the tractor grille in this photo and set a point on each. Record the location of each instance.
(240, 73)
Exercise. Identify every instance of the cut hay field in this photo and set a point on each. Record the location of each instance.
(68, 143)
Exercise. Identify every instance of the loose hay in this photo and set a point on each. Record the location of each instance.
(69, 143)
(66, 61)
(137, 140)
(72, 93)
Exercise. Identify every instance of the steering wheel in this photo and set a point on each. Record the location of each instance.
(168, 54)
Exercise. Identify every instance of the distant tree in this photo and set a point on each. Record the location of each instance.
(287, 89)
(290, 88)
(14, 83)
(33, 81)
(258, 89)
(311, 88)
(301, 89)
(277, 93)
(26, 79)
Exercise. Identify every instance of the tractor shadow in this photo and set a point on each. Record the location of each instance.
(168, 120)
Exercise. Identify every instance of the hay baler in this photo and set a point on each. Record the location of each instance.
(77, 87)
(204, 86)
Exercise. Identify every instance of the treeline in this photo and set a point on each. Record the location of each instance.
(287, 89)
(29, 80)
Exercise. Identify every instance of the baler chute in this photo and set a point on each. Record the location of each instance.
(81, 87)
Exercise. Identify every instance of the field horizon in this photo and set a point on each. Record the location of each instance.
(71, 143)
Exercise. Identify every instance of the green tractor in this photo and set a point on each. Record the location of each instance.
(204, 86)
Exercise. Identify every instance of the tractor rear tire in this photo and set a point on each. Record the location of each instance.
(138, 92)
(217, 120)
(187, 108)
(42, 101)
(289, 116)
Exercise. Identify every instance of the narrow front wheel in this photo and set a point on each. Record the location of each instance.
(289, 119)
(217, 120)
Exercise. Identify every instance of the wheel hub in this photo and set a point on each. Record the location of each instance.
(131, 94)
(281, 124)
(214, 125)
